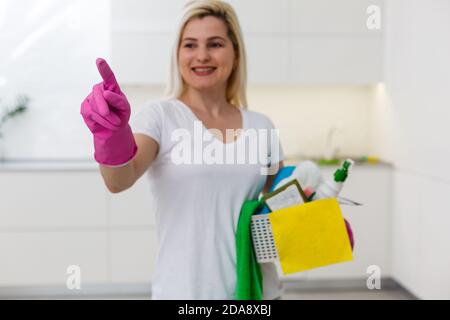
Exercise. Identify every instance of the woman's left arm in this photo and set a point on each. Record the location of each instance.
(270, 178)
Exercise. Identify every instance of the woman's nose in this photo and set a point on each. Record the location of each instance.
(203, 55)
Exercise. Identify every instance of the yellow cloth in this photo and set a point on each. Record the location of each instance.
(310, 235)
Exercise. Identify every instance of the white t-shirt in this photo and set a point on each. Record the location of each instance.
(198, 203)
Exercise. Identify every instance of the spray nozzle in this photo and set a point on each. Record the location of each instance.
(341, 174)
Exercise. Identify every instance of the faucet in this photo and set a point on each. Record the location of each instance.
(331, 149)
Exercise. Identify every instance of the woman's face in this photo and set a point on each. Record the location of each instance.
(206, 55)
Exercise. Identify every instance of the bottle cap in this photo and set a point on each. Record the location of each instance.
(341, 174)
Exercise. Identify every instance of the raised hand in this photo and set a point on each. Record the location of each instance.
(106, 105)
(106, 111)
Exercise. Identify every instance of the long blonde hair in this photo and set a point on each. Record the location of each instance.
(237, 81)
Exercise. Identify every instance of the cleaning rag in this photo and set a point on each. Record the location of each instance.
(249, 277)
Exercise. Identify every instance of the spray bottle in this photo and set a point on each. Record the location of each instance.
(331, 188)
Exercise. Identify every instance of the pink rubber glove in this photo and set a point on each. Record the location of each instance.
(350, 233)
(106, 112)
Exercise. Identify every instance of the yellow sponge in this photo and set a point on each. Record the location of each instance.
(310, 235)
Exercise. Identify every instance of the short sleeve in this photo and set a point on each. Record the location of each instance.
(149, 121)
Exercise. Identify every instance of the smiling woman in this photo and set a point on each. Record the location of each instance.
(209, 36)
(198, 203)
(206, 63)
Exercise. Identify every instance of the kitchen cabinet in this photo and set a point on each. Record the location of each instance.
(344, 17)
(52, 199)
(141, 39)
(134, 207)
(420, 245)
(263, 17)
(39, 257)
(266, 64)
(287, 41)
(141, 58)
(333, 59)
(52, 219)
(133, 255)
(152, 16)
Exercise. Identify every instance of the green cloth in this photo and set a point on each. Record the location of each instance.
(249, 285)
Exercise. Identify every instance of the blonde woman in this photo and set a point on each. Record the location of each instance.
(197, 202)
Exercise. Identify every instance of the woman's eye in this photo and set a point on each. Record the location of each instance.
(213, 45)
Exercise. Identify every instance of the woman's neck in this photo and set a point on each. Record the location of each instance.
(211, 103)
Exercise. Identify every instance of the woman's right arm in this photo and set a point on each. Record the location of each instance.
(123, 156)
(118, 179)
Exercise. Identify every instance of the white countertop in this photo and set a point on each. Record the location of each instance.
(48, 165)
(91, 165)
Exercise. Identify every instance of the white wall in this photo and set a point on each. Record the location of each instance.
(417, 86)
(381, 124)
(304, 114)
(48, 51)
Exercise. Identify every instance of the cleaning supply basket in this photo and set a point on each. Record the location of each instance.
(302, 237)
(270, 236)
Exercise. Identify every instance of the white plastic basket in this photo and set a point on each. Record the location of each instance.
(263, 241)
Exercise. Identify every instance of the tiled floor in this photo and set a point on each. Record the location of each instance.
(340, 290)
(322, 294)
(345, 294)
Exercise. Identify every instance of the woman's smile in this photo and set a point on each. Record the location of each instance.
(203, 71)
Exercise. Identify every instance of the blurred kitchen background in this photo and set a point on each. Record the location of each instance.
(367, 79)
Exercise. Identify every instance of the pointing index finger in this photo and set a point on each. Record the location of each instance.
(109, 80)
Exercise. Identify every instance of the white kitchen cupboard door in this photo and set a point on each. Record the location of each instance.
(141, 58)
(142, 36)
(133, 254)
(407, 226)
(332, 44)
(161, 16)
(420, 234)
(133, 207)
(42, 258)
(432, 256)
(336, 60)
(334, 17)
(153, 16)
(51, 200)
(267, 59)
(262, 16)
